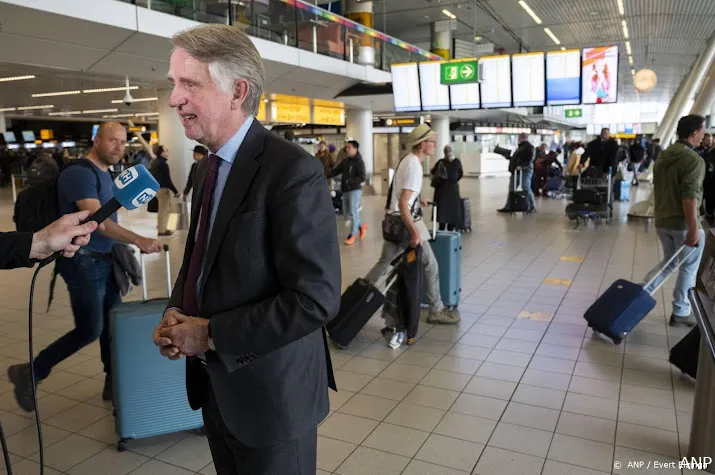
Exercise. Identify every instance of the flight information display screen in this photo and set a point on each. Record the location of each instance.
(435, 96)
(563, 77)
(464, 96)
(406, 87)
(528, 79)
(495, 72)
(599, 75)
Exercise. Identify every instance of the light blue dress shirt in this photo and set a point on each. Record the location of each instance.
(227, 153)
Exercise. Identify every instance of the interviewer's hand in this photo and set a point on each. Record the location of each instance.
(165, 346)
(66, 235)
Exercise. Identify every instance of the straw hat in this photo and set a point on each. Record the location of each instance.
(418, 135)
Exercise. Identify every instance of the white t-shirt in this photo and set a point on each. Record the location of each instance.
(408, 176)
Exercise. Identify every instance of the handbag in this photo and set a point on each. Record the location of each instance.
(440, 175)
(393, 228)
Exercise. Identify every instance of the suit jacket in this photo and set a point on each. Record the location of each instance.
(271, 282)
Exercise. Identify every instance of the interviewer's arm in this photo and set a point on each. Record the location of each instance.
(307, 265)
(15, 250)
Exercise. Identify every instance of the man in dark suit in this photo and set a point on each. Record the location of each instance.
(261, 273)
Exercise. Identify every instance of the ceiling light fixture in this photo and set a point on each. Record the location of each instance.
(449, 14)
(59, 93)
(633, 72)
(478, 38)
(117, 116)
(146, 114)
(65, 113)
(28, 108)
(628, 47)
(621, 10)
(16, 78)
(552, 36)
(99, 111)
(630, 59)
(141, 99)
(109, 89)
(563, 48)
(530, 12)
(7, 109)
(625, 29)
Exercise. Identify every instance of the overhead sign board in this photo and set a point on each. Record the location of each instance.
(290, 113)
(328, 115)
(573, 113)
(459, 72)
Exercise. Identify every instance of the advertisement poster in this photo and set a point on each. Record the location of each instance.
(599, 78)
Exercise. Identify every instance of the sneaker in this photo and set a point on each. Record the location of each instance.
(363, 231)
(397, 340)
(676, 321)
(387, 333)
(350, 240)
(21, 377)
(444, 317)
(108, 391)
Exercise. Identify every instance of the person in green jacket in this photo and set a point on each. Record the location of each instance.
(678, 188)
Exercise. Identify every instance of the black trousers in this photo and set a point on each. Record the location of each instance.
(231, 457)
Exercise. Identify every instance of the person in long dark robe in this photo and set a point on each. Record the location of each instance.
(446, 174)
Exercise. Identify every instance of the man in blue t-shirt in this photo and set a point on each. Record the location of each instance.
(90, 281)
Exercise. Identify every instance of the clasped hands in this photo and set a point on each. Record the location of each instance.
(179, 335)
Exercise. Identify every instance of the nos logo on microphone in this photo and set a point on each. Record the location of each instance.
(144, 197)
(126, 177)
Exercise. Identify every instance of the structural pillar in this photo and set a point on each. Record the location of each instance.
(171, 135)
(3, 125)
(706, 96)
(441, 38)
(361, 12)
(358, 125)
(689, 87)
(440, 125)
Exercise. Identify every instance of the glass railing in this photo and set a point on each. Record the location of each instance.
(300, 24)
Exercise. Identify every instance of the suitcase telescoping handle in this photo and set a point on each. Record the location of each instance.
(664, 270)
(142, 264)
(516, 184)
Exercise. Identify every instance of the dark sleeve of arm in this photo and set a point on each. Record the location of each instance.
(338, 170)
(166, 178)
(460, 170)
(15, 250)
(307, 265)
(360, 174)
(190, 180)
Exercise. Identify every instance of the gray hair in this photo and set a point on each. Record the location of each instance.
(231, 56)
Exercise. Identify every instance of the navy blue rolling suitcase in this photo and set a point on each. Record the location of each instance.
(624, 304)
(149, 389)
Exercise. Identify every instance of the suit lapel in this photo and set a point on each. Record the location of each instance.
(239, 180)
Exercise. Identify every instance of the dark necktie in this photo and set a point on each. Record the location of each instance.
(190, 304)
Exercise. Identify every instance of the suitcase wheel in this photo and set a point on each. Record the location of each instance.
(617, 340)
(122, 445)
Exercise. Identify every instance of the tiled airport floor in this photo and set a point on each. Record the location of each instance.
(519, 386)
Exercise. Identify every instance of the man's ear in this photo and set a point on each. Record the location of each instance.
(240, 93)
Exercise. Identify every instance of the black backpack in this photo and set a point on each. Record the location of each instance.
(38, 205)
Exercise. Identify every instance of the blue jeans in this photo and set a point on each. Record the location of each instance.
(93, 294)
(351, 209)
(672, 240)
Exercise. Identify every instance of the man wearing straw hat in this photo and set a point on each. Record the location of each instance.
(405, 200)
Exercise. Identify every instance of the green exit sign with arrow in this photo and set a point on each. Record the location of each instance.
(459, 72)
(573, 113)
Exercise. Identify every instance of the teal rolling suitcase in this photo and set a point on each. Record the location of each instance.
(149, 390)
(447, 249)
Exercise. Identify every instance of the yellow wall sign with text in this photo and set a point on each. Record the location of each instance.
(291, 113)
(328, 116)
(552, 281)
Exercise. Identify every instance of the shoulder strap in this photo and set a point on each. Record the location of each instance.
(86, 163)
(389, 192)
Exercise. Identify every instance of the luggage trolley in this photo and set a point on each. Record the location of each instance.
(592, 200)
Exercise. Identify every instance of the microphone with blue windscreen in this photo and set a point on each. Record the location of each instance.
(133, 188)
